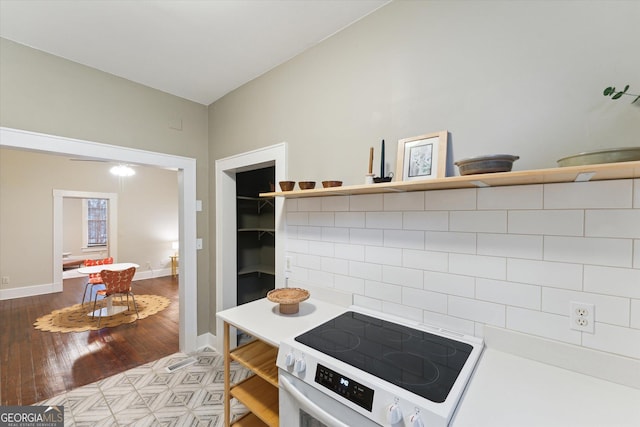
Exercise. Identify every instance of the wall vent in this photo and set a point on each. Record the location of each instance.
(179, 365)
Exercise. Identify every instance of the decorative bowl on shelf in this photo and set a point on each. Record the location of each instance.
(612, 155)
(288, 298)
(307, 185)
(287, 185)
(486, 164)
(327, 184)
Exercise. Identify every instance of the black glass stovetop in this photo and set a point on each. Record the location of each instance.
(420, 362)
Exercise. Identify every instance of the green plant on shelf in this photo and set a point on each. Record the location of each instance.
(614, 94)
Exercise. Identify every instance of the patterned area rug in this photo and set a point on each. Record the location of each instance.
(76, 318)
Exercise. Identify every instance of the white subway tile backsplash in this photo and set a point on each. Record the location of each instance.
(424, 300)
(366, 202)
(310, 204)
(479, 311)
(608, 309)
(334, 265)
(365, 270)
(335, 203)
(349, 252)
(449, 322)
(451, 284)
(349, 284)
(624, 282)
(309, 233)
(588, 250)
(452, 200)
(321, 219)
(544, 273)
(513, 257)
(549, 222)
(300, 246)
(383, 291)
(384, 220)
(425, 260)
(635, 313)
(510, 245)
(297, 218)
(520, 197)
(402, 276)
(412, 201)
(508, 293)
(401, 310)
(546, 325)
(350, 219)
(408, 239)
(478, 221)
(478, 265)
(585, 195)
(614, 339)
(624, 223)
(426, 220)
(321, 248)
(382, 255)
(365, 237)
(336, 235)
(464, 243)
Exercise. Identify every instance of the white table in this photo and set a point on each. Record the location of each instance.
(109, 310)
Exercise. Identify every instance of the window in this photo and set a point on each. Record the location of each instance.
(95, 213)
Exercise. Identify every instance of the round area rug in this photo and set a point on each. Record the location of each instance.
(77, 319)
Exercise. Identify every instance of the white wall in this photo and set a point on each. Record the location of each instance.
(511, 257)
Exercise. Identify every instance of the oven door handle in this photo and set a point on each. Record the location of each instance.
(308, 405)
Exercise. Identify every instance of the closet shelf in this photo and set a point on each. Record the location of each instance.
(599, 172)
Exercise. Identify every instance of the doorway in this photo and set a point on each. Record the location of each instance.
(186, 169)
(227, 170)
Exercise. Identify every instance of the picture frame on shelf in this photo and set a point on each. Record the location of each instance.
(422, 157)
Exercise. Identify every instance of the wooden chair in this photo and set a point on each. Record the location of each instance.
(116, 283)
(94, 278)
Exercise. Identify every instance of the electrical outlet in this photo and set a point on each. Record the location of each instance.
(582, 316)
(5, 280)
(287, 263)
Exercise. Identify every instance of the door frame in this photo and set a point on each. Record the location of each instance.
(186, 171)
(226, 236)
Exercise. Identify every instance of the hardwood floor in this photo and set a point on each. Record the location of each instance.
(37, 365)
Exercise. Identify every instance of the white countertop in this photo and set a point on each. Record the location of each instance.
(263, 320)
(508, 390)
(505, 390)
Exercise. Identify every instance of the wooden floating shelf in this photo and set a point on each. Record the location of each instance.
(599, 172)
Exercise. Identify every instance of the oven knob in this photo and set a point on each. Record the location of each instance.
(394, 414)
(415, 420)
(289, 360)
(301, 365)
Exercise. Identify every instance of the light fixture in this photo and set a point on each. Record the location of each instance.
(122, 170)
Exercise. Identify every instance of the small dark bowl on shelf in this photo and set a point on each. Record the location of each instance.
(327, 184)
(307, 185)
(287, 185)
(378, 179)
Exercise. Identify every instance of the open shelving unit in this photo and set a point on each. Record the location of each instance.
(258, 392)
(598, 172)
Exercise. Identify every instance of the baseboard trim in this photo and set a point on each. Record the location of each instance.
(207, 340)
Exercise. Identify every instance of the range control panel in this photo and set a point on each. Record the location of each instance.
(344, 386)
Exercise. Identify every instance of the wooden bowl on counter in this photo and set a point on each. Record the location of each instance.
(327, 184)
(288, 298)
(307, 185)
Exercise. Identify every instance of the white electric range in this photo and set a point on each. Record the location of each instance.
(368, 369)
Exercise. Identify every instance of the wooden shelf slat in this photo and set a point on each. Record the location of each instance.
(249, 420)
(260, 358)
(260, 397)
(605, 171)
